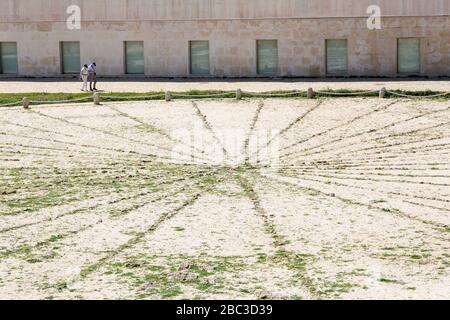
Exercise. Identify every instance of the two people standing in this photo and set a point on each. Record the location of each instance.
(89, 73)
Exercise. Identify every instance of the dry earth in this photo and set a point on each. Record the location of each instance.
(95, 204)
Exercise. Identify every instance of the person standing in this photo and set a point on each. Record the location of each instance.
(92, 76)
(84, 74)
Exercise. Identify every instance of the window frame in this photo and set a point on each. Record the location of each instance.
(61, 51)
(327, 73)
(270, 75)
(1, 60)
(420, 57)
(190, 59)
(125, 57)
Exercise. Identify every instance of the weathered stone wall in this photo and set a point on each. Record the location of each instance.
(232, 27)
(54, 10)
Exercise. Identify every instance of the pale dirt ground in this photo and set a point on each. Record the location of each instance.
(95, 204)
(108, 85)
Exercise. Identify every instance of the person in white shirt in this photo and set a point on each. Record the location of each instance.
(92, 76)
(84, 74)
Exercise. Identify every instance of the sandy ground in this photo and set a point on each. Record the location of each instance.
(256, 199)
(108, 85)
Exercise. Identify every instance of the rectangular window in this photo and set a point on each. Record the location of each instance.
(199, 58)
(134, 57)
(70, 55)
(336, 56)
(408, 55)
(8, 57)
(267, 56)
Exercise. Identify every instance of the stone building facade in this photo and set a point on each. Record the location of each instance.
(225, 38)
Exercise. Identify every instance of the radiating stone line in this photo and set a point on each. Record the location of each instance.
(21, 145)
(208, 126)
(95, 206)
(348, 172)
(255, 119)
(289, 127)
(86, 227)
(87, 270)
(351, 121)
(131, 152)
(360, 161)
(379, 190)
(164, 134)
(369, 131)
(142, 143)
(278, 240)
(380, 180)
(342, 148)
(441, 227)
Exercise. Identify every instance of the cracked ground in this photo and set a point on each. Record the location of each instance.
(94, 204)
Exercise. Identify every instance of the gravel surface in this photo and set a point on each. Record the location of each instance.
(347, 198)
(69, 86)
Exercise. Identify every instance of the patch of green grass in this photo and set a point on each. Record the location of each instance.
(50, 198)
(42, 96)
(386, 280)
(64, 187)
(6, 98)
(262, 257)
(378, 201)
(170, 292)
(55, 238)
(22, 250)
(416, 93)
(292, 94)
(335, 289)
(62, 285)
(179, 229)
(200, 271)
(312, 192)
(295, 261)
(165, 276)
(391, 210)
